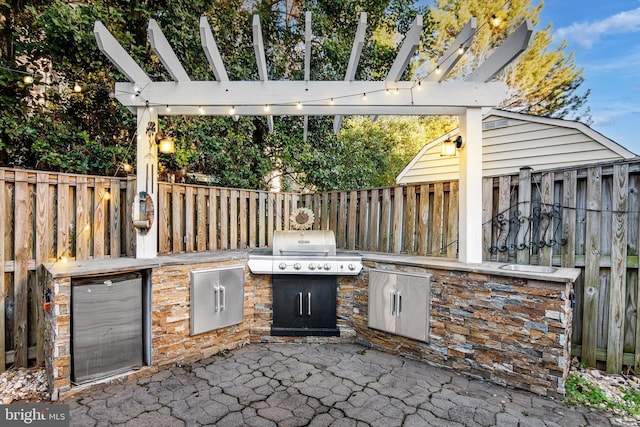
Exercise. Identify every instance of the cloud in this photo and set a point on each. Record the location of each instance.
(588, 33)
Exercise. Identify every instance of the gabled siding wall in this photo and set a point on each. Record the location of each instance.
(510, 144)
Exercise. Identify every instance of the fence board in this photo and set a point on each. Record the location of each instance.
(130, 231)
(487, 215)
(3, 295)
(43, 243)
(233, 219)
(115, 219)
(452, 222)
(504, 207)
(437, 233)
(83, 230)
(396, 234)
(353, 219)
(62, 239)
(618, 269)
(410, 220)
(224, 219)
(201, 227)
(592, 267)
(189, 219)
(545, 253)
(341, 226)
(253, 216)
(22, 229)
(99, 218)
(385, 219)
(362, 219)
(214, 196)
(423, 220)
(164, 219)
(524, 206)
(374, 221)
(243, 217)
(176, 219)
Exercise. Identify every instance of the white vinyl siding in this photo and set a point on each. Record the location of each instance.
(512, 142)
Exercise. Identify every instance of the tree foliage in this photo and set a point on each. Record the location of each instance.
(544, 81)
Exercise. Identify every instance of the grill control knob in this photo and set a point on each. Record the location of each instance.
(282, 266)
(352, 267)
(312, 266)
(297, 266)
(327, 266)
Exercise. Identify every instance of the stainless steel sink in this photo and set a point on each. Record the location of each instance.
(529, 268)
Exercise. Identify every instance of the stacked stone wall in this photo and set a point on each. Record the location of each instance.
(511, 331)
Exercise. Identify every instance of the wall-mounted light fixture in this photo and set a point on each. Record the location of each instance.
(449, 148)
(165, 144)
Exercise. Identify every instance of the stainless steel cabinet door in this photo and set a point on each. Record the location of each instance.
(400, 302)
(412, 306)
(382, 286)
(217, 298)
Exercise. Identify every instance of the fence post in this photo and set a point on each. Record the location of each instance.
(524, 206)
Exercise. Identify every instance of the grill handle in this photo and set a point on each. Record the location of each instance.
(308, 303)
(300, 303)
(312, 252)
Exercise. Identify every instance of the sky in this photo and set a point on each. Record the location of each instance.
(604, 37)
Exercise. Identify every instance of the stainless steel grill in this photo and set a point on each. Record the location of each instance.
(309, 252)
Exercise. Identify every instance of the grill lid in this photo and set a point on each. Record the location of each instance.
(304, 243)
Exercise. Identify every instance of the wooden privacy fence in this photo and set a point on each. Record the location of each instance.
(584, 217)
(420, 219)
(46, 218)
(596, 230)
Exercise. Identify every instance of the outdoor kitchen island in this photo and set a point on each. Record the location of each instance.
(507, 326)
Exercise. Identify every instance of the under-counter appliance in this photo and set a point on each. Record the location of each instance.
(305, 267)
(107, 326)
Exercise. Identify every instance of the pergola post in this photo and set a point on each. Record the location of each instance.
(470, 201)
(145, 204)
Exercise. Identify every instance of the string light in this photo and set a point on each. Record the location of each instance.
(266, 107)
(461, 50)
(419, 87)
(438, 70)
(331, 101)
(64, 259)
(126, 167)
(495, 20)
(167, 109)
(397, 91)
(299, 105)
(232, 111)
(386, 91)
(86, 227)
(28, 79)
(106, 195)
(201, 110)
(364, 96)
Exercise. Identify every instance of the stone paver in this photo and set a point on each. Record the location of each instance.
(318, 385)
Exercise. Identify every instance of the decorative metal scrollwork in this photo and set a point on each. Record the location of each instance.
(519, 232)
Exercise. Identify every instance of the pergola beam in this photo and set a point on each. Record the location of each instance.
(513, 46)
(211, 51)
(308, 36)
(451, 57)
(258, 47)
(408, 48)
(163, 49)
(110, 47)
(354, 58)
(249, 97)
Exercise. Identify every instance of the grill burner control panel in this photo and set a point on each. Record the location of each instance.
(336, 266)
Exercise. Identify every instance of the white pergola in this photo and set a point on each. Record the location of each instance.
(430, 96)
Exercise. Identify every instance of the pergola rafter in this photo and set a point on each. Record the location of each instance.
(431, 96)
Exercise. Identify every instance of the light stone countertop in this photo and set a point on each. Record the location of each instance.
(90, 267)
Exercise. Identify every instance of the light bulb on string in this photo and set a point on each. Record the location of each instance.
(299, 105)
(77, 88)
(364, 96)
(438, 70)
(86, 228)
(266, 108)
(64, 259)
(200, 110)
(460, 50)
(331, 101)
(419, 87)
(232, 111)
(106, 195)
(495, 20)
(28, 79)
(397, 91)
(126, 167)
(167, 108)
